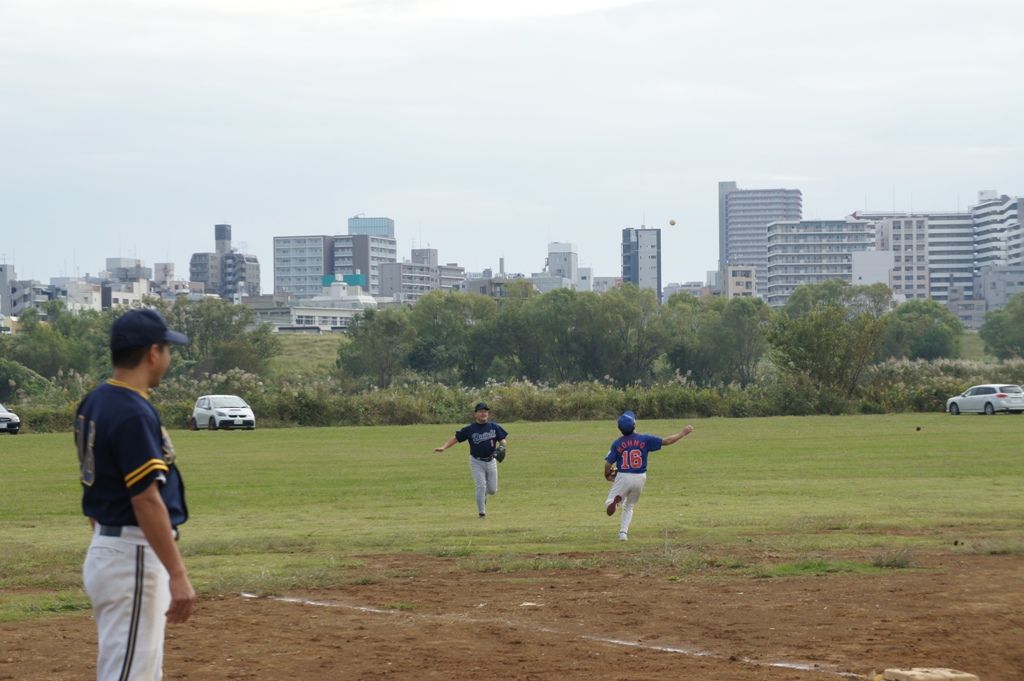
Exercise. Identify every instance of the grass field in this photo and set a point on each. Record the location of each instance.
(302, 508)
(973, 347)
(304, 354)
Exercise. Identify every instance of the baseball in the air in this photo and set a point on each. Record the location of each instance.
(672, 222)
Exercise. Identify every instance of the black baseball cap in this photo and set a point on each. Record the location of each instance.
(142, 328)
(479, 406)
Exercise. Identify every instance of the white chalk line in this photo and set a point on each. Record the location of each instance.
(692, 652)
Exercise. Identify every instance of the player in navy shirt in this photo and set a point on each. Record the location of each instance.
(484, 437)
(135, 500)
(626, 467)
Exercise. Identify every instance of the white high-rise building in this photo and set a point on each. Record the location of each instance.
(935, 249)
(300, 264)
(813, 252)
(998, 236)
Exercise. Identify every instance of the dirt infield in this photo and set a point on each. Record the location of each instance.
(434, 620)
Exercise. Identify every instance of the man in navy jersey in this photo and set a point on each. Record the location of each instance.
(628, 456)
(134, 498)
(484, 436)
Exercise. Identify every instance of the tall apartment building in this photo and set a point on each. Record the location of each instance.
(370, 242)
(743, 218)
(300, 263)
(226, 272)
(641, 258)
(409, 281)
(449, 276)
(998, 235)
(933, 252)
(364, 254)
(812, 252)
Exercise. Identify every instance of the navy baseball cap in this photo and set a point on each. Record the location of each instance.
(142, 328)
(479, 406)
(627, 422)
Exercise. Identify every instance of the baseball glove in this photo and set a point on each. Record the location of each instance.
(611, 475)
(499, 453)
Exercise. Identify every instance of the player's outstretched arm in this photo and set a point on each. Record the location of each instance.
(672, 439)
(446, 445)
(156, 525)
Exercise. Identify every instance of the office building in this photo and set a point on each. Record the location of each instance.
(331, 311)
(743, 218)
(372, 226)
(641, 258)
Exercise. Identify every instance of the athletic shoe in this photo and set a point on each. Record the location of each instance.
(615, 504)
(483, 515)
(623, 537)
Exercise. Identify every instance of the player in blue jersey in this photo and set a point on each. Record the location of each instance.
(628, 460)
(135, 500)
(484, 437)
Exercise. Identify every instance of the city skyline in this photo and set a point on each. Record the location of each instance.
(487, 130)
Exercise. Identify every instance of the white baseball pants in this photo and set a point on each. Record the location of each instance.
(130, 593)
(629, 486)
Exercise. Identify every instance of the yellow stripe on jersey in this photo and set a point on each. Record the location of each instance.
(144, 470)
(122, 384)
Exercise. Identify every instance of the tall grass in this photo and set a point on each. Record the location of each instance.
(319, 399)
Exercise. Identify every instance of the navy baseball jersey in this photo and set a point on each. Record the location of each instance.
(629, 452)
(122, 449)
(482, 438)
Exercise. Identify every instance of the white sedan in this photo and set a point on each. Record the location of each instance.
(988, 399)
(222, 412)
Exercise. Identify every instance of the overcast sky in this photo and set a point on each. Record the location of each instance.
(486, 128)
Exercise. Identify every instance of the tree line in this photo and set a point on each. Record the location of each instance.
(831, 341)
(829, 333)
(54, 343)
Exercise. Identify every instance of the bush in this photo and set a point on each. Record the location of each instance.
(325, 400)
